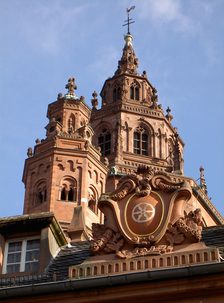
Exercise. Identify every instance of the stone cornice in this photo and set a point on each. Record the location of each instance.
(68, 104)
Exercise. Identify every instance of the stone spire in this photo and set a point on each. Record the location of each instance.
(178, 165)
(94, 101)
(168, 115)
(129, 62)
(203, 184)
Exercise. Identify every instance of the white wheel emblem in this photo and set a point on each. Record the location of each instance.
(143, 212)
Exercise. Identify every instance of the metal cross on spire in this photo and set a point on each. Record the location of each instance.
(71, 86)
(129, 20)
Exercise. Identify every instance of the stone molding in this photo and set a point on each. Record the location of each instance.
(97, 268)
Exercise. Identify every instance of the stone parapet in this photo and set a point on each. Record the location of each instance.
(113, 267)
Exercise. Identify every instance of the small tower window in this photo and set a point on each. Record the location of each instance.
(41, 193)
(134, 92)
(71, 195)
(137, 143)
(41, 196)
(92, 204)
(104, 142)
(63, 194)
(116, 94)
(69, 190)
(141, 141)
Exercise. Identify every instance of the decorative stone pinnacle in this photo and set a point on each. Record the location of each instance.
(154, 91)
(144, 74)
(128, 63)
(71, 86)
(29, 152)
(169, 116)
(154, 99)
(94, 101)
(168, 110)
(94, 94)
(203, 184)
(176, 153)
(60, 95)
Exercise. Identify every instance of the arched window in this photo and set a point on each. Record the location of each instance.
(92, 204)
(134, 92)
(104, 142)
(116, 94)
(69, 190)
(141, 141)
(63, 194)
(71, 195)
(41, 192)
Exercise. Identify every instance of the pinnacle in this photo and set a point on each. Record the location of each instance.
(71, 86)
(128, 63)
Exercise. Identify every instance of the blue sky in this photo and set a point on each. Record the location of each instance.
(179, 43)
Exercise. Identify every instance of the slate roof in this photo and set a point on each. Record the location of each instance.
(75, 254)
(68, 255)
(214, 236)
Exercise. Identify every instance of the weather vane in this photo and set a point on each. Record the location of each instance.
(129, 20)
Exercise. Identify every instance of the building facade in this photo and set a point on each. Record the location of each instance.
(108, 212)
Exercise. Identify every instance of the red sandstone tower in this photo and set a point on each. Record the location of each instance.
(86, 152)
(131, 127)
(64, 174)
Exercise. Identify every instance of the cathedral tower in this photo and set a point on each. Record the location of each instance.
(64, 173)
(130, 127)
(86, 152)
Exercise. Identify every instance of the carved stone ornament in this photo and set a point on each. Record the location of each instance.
(144, 251)
(145, 216)
(129, 61)
(189, 227)
(105, 239)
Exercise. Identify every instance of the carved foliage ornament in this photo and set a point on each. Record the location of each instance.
(142, 183)
(190, 227)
